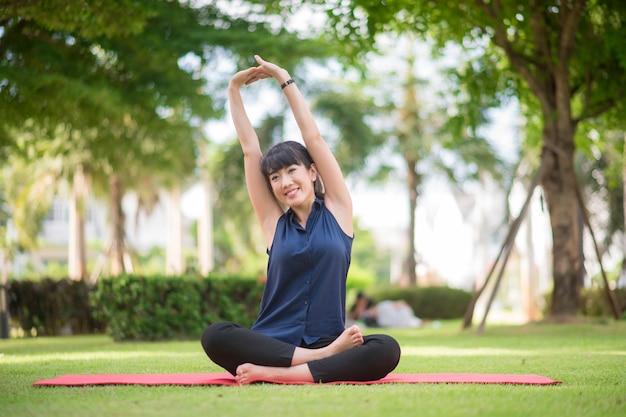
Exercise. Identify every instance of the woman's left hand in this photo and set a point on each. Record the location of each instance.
(269, 69)
(264, 70)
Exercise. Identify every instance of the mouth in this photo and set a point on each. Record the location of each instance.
(291, 193)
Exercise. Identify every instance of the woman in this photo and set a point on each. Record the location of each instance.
(299, 335)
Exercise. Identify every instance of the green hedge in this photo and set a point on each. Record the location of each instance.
(427, 302)
(165, 307)
(133, 307)
(596, 303)
(50, 307)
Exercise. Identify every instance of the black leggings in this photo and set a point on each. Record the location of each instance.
(229, 345)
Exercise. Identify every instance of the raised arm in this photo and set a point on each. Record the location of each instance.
(337, 196)
(266, 208)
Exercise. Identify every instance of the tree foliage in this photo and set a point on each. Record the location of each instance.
(122, 89)
(566, 66)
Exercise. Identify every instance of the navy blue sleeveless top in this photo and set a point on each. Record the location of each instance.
(305, 295)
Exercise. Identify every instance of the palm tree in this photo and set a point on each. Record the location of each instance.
(437, 139)
(27, 192)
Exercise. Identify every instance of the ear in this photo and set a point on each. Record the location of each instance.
(313, 172)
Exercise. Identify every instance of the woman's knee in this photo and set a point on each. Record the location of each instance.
(214, 333)
(388, 351)
(394, 350)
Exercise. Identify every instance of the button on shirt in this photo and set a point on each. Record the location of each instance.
(305, 294)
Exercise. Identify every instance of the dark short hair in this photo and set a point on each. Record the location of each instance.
(285, 154)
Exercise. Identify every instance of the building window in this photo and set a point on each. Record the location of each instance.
(58, 212)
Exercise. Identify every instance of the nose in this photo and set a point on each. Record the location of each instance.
(285, 181)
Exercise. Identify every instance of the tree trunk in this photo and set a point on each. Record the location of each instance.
(547, 76)
(174, 252)
(205, 230)
(410, 137)
(413, 180)
(621, 283)
(559, 185)
(5, 330)
(529, 273)
(76, 248)
(116, 256)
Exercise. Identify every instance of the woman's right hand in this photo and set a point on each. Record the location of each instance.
(241, 78)
(264, 70)
(247, 77)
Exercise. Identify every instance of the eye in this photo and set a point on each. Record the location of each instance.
(292, 169)
(273, 177)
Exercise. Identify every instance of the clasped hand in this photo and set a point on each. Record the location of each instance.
(264, 70)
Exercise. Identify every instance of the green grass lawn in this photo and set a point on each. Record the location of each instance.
(590, 359)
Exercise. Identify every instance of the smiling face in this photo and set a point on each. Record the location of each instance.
(291, 173)
(293, 185)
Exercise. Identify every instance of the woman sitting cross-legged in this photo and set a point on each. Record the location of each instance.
(299, 335)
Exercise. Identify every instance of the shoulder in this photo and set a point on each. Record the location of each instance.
(330, 218)
(342, 213)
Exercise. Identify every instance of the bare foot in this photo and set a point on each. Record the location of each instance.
(248, 372)
(348, 339)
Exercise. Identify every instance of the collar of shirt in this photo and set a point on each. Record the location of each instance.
(316, 206)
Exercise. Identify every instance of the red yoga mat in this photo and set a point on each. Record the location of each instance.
(228, 379)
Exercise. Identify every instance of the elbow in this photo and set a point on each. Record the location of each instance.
(252, 154)
(312, 136)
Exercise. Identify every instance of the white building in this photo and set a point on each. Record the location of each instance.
(143, 232)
